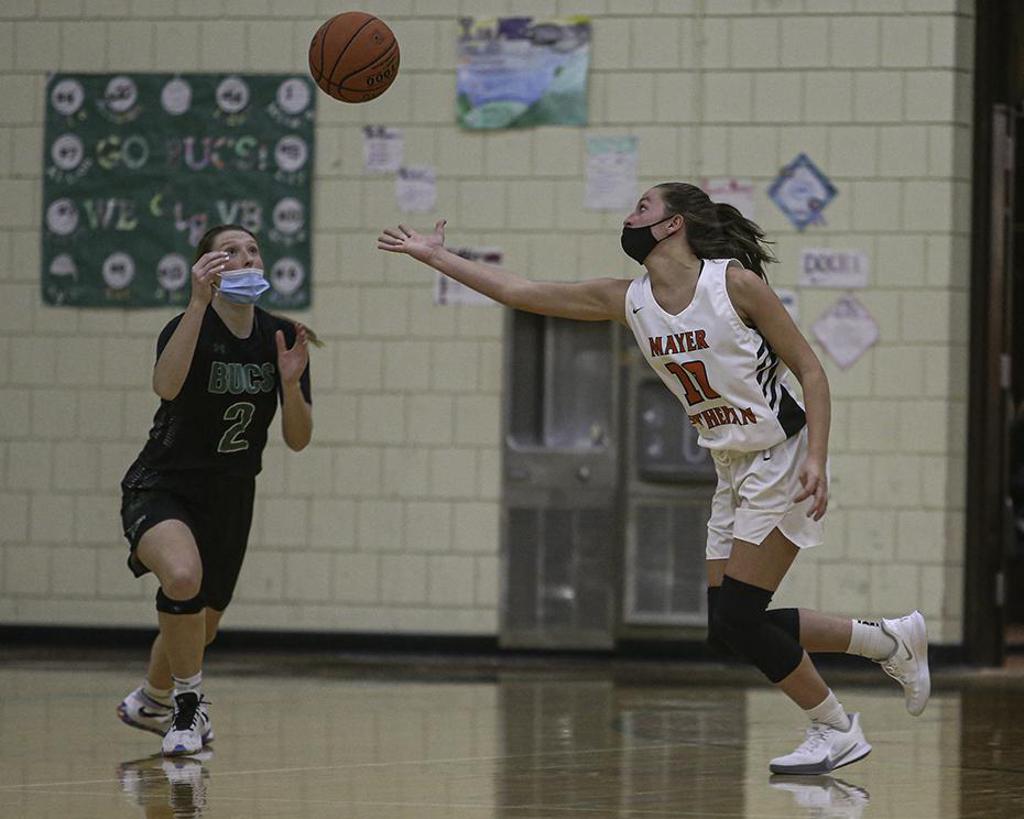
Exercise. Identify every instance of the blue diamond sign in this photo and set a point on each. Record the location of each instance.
(802, 191)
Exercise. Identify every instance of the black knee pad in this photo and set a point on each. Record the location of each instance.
(786, 619)
(741, 622)
(718, 647)
(168, 606)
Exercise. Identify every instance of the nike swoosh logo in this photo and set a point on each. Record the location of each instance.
(151, 714)
(637, 309)
(906, 648)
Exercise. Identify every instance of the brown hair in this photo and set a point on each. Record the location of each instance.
(716, 230)
(206, 245)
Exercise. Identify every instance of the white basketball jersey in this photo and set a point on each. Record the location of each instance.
(729, 380)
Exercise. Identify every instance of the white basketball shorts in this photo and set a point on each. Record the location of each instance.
(755, 495)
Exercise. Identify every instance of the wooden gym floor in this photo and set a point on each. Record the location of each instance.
(303, 736)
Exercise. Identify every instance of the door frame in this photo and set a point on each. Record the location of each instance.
(990, 322)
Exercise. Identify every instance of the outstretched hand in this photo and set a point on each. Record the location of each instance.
(291, 363)
(420, 246)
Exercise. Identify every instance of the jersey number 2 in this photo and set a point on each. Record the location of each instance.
(241, 413)
(694, 378)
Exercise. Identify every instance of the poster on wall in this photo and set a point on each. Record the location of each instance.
(824, 267)
(802, 191)
(416, 189)
(447, 291)
(846, 330)
(136, 167)
(519, 72)
(611, 173)
(736, 192)
(383, 149)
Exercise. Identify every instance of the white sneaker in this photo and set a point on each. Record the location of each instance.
(190, 725)
(908, 664)
(825, 749)
(825, 795)
(139, 710)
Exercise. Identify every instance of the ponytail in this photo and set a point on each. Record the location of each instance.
(716, 230)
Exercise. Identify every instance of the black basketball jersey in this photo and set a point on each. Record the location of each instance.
(218, 421)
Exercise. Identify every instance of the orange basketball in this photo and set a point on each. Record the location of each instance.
(353, 57)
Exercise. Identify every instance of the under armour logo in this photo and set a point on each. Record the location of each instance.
(220, 349)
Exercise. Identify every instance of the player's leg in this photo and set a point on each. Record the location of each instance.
(170, 551)
(151, 705)
(752, 575)
(146, 514)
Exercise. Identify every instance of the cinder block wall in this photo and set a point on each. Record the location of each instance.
(388, 522)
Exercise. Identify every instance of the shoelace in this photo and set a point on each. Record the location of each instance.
(186, 711)
(892, 668)
(816, 735)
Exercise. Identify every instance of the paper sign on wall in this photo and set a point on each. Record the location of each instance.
(833, 268)
(736, 192)
(416, 189)
(801, 191)
(846, 330)
(383, 149)
(611, 173)
(448, 291)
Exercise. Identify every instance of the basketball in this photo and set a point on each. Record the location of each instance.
(353, 57)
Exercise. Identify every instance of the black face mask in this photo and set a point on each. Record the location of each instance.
(638, 242)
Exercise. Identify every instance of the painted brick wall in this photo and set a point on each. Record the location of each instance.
(389, 520)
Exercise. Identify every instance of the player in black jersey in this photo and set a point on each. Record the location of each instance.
(221, 368)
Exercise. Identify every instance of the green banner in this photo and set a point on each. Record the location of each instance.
(137, 167)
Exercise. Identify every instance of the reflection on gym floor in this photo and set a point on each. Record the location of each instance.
(330, 739)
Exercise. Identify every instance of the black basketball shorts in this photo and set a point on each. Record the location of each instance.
(217, 509)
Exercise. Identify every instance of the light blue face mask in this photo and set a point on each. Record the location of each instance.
(243, 286)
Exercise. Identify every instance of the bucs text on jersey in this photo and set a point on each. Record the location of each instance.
(218, 422)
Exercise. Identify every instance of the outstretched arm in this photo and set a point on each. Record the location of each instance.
(592, 300)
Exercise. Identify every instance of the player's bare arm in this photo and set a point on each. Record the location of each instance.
(758, 305)
(296, 413)
(174, 362)
(592, 300)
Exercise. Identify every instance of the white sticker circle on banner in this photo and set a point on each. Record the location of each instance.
(232, 95)
(172, 272)
(291, 153)
(62, 217)
(118, 270)
(67, 97)
(293, 96)
(121, 94)
(176, 96)
(67, 152)
(287, 276)
(289, 216)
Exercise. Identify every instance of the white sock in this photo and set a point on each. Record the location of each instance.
(160, 695)
(868, 640)
(830, 712)
(192, 684)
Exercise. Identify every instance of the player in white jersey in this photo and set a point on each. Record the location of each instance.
(720, 339)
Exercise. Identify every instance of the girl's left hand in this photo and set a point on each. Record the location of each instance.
(291, 363)
(814, 480)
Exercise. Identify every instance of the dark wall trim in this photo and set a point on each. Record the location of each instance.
(983, 628)
(83, 638)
